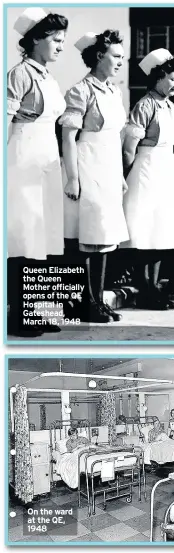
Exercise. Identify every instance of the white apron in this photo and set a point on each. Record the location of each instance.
(149, 202)
(35, 193)
(97, 217)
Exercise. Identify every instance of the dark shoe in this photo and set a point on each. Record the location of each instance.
(35, 332)
(154, 300)
(12, 330)
(76, 310)
(109, 311)
(142, 299)
(171, 301)
(97, 313)
(158, 300)
(87, 313)
(90, 313)
(51, 328)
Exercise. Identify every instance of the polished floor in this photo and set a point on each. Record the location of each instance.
(122, 522)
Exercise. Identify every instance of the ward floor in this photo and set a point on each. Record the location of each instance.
(121, 522)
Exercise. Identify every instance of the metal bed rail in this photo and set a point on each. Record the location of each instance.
(139, 451)
(101, 456)
(167, 526)
(168, 479)
(60, 424)
(117, 487)
(91, 449)
(139, 421)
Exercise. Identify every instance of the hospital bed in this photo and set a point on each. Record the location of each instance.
(112, 466)
(165, 527)
(89, 461)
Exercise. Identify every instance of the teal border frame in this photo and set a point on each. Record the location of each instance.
(78, 543)
(54, 342)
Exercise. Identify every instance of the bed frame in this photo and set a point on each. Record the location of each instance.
(90, 492)
(133, 473)
(166, 526)
(63, 426)
(137, 421)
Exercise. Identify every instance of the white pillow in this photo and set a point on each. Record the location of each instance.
(82, 433)
(162, 437)
(132, 440)
(61, 446)
(145, 431)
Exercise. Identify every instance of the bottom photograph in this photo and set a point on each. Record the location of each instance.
(90, 450)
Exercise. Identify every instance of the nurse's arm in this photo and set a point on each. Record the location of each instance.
(129, 152)
(72, 188)
(9, 120)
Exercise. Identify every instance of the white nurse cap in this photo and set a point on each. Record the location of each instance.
(28, 19)
(88, 39)
(155, 58)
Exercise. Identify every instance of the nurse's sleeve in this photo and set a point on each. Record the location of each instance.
(76, 106)
(17, 86)
(139, 119)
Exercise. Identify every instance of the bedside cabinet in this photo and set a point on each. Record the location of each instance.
(40, 455)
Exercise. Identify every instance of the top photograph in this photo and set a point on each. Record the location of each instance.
(88, 174)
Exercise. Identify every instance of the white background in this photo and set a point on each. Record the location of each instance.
(69, 69)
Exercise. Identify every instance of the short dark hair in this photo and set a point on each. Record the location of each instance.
(72, 431)
(47, 26)
(103, 41)
(159, 72)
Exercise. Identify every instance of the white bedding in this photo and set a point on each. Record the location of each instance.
(160, 451)
(67, 464)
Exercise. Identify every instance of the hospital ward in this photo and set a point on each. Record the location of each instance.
(91, 440)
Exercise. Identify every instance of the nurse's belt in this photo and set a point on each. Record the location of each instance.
(89, 39)
(154, 59)
(28, 19)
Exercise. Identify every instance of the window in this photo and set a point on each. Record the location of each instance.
(151, 38)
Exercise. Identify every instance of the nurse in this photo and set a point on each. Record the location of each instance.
(35, 193)
(149, 164)
(171, 425)
(92, 124)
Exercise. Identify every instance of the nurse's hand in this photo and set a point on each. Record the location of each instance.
(72, 189)
(124, 186)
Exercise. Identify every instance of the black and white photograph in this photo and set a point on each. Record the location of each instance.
(90, 450)
(90, 173)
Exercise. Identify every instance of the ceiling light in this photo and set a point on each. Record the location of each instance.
(92, 384)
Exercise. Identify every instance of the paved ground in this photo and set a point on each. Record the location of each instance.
(136, 325)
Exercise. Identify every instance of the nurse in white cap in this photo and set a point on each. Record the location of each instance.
(149, 164)
(92, 123)
(35, 195)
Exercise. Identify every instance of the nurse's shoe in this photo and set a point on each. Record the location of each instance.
(109, 311)
(97, 314)
(87, 312)
(51, 328)
(12, 330)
